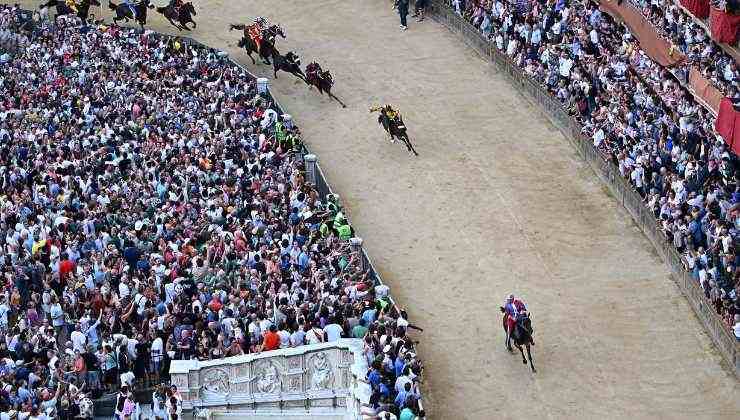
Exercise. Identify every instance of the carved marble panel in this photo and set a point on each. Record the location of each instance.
(321, 371)
(346, 377)
(215, 382)
(347, 358)
(193, 381)
(315, 378)
(240, 371)
(295, 364)
(267, 377)
(295, 383)
(240, 388)
(180, 380)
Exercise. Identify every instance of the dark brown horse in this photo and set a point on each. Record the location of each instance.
(267, 45)
(289, 63)
(397, 130)
(322, 80)
(123, 12)
(522, 337)
(83, 8)
(181, 17)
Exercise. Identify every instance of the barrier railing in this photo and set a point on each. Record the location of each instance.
(620, 188)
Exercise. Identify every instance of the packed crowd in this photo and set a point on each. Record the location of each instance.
(640, 117)
(154, 207)
(693, 40)
(12, 37)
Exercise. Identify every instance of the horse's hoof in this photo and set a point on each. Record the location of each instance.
(534, 370)
(524, 361)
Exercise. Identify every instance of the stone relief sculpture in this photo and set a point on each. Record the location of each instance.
(322, 375)
(267, 377)
(215, 382)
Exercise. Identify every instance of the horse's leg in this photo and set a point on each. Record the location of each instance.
(531, 362)
(249, 53)
(521, 350)
(508, 338)
(172, 22)
(336, 99)
(409, 147)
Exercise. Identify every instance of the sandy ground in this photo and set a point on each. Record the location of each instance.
(497, 202)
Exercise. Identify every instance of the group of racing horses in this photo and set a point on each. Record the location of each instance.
(259, 37)
(178, 13)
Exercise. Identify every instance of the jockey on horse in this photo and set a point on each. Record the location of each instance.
(176, 6)
(388, 111)
(132, 6)
(254, 31)
(313, 71)
(514, 310)
(72, 4)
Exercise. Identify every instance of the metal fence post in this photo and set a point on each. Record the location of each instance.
(310, 161)
(356, 247)
(263, 85)
(287, 121)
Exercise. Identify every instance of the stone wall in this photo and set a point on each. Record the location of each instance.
(321, 378)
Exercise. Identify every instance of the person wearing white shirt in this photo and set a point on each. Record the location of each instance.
(315, 335)
(4, 309)
(564, 66)
(333, 331)
(157, 353)
(298, 337)
(78, 339)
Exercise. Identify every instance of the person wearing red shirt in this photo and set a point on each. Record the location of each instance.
(215, 304)
(271, 339)
(65, 267)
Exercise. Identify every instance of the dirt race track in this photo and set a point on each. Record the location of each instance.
(497, 202)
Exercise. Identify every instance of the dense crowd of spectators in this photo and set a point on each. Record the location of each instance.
(692, 39)
(640, 117)
(154, 207)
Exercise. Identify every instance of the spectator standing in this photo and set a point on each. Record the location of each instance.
(403, 11)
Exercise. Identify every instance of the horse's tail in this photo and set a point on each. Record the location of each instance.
(112, 6)
(237, 27)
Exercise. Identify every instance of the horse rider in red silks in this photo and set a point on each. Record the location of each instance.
(254, 31)
(514, 309)
(176, 5)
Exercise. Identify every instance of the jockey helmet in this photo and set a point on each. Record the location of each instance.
(510, 298)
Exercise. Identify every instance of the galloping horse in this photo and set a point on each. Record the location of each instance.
(289, 63)
(522, 337)
(395, 128)
(267, 45)
(123, 12)
(322, 80)
(83, 8)
(181, 17)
